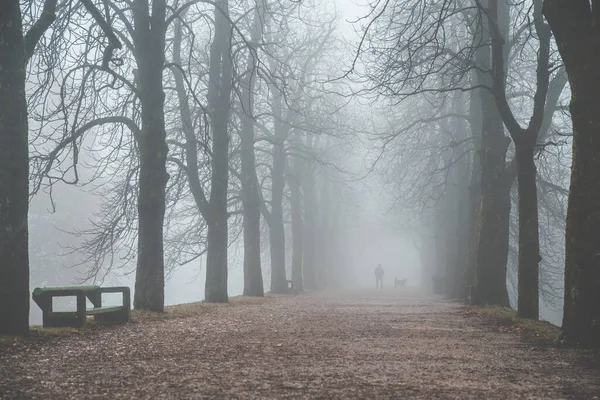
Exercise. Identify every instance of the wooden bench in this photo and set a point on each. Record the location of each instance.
(118, 314)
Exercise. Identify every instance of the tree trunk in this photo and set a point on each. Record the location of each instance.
(427, 256)
(571, 23)
(336, 274)
(529, 247)
(441, 247)
(324, 241)
(215, 290)
(492, 241)
(277, 248)
(461, 229)
(474, 213)
(14, 175)
(297, 223)
(251, 201)
(581, 320)
(474, 190)
(310, 232)
(253, 282)
(149, 282)
(525, 139)
(492, 252)
(276, 228)
(219, 99)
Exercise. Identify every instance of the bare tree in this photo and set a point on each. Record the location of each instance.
(575, 27)
(525, 140)
(149, 40)
(251, 197)
(16, 50)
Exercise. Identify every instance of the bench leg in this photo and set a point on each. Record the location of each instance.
(46, 306)
(127, 304)
(62, 320)
(81, 316)
(95, 298)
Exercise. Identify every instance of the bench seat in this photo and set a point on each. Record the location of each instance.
(102, 310)
(111, 314)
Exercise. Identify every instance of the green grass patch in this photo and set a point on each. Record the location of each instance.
(541, 332)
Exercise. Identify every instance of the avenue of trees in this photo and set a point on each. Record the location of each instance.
(476, 148)
(200, 123)
(207, 122)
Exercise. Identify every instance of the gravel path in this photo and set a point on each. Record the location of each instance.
(369, 344)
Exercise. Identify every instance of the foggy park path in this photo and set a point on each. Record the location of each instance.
(368, 344)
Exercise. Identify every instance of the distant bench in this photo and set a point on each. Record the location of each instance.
(118, 314)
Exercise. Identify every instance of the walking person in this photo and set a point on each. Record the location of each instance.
(379, 277)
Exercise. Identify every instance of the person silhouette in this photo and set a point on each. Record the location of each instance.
(379, 277)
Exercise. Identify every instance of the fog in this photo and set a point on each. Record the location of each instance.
(302, 142)
(307, 198)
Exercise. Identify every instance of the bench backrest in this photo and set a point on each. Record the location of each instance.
(57, 289)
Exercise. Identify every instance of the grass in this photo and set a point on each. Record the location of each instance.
(541, 332)
(9, 340)
(37, 332)
(187, 310)
(192, 309)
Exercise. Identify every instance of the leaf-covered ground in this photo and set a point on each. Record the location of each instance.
(368, 344)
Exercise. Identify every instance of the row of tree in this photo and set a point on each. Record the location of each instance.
(198, 122)
(483, 86)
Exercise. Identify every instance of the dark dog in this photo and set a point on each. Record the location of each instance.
(399, 282)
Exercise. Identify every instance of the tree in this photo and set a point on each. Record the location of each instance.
(14, 174)
(214, 208)
(251, 196)
(492, 242)
(16, 50)
(575, 28)
(294, 179)
(525, 140)
(134, 125)
(149, 41)
(411, 54)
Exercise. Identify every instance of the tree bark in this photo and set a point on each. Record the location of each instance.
(427, 254)
(219, 100)
(276, 227)
(525, 140)
(149, 45)
(310, 232)
(14, 175)
(492, 249)
(581, 319)
(251, 200)
(294, 182)
(529, 244)
(575, 27)
(475, 117)
(324, 238)
(461, 229)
